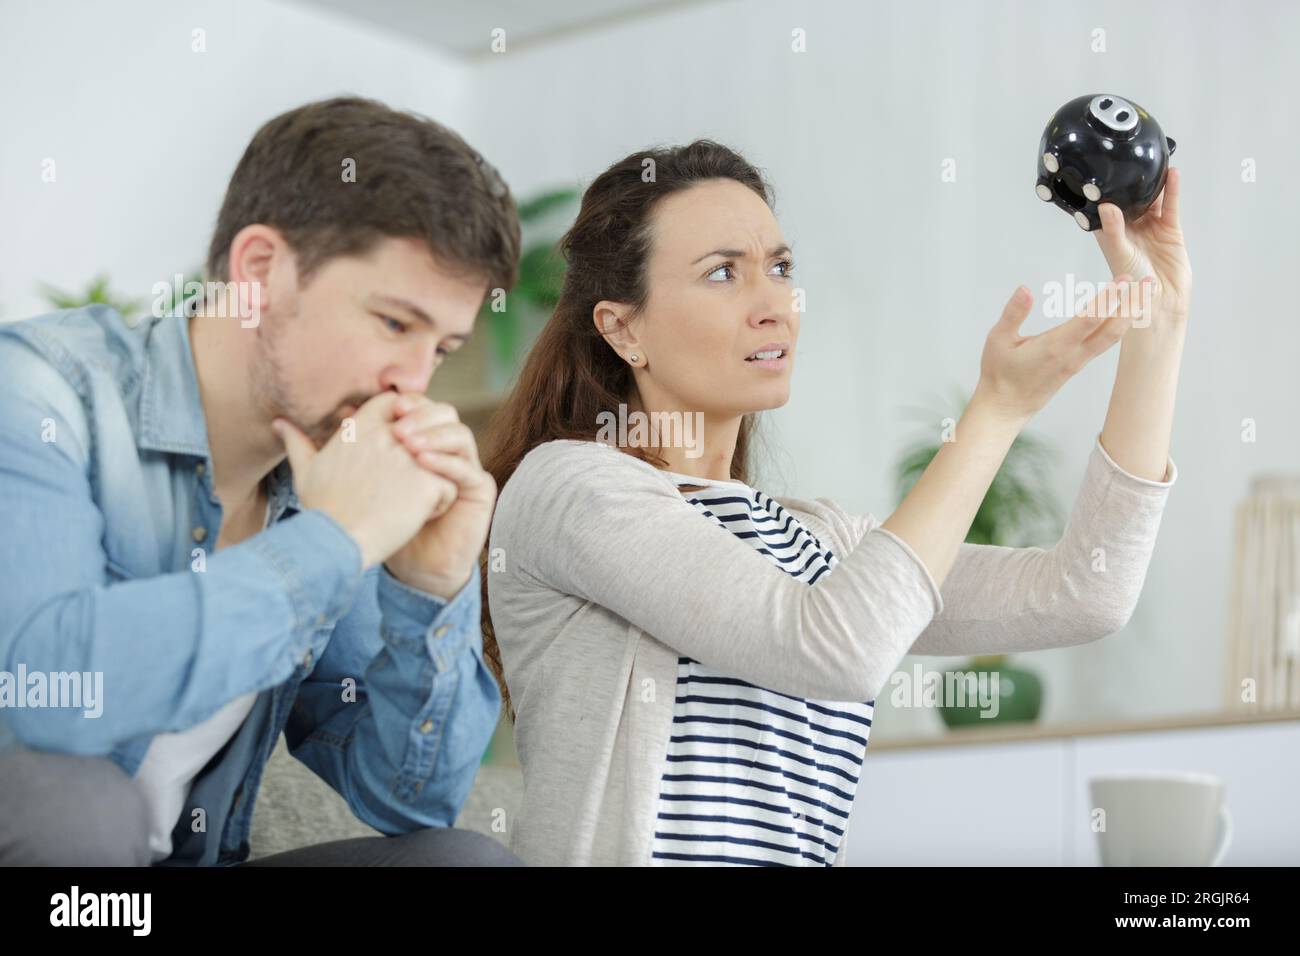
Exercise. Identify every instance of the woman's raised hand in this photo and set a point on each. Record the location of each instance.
(1152, 247)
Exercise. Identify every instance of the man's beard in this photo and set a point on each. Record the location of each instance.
(272, 392)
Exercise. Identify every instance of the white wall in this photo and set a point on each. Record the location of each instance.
(145, 132)
(904, 273)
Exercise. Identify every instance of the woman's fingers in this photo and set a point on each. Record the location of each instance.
(1169, 197)
(1014, 313)
(1093, 329)
(1111, 313)
(1157, 209)
(1113, 240)
(1087, 320)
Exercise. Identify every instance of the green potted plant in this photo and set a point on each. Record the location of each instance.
(541, 277)
(1019, 510)
(98, 292)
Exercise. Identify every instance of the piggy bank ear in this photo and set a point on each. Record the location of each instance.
(1172, 145)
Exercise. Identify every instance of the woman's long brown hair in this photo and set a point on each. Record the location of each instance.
(572, 374)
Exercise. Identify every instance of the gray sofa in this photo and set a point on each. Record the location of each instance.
(296, 808)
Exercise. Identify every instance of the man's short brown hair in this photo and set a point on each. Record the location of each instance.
(413, 178)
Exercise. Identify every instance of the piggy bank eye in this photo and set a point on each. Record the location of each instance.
(1115, 112)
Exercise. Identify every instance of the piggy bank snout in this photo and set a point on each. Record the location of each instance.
(1114, 112)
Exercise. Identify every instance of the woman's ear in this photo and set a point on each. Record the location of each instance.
(611, 319)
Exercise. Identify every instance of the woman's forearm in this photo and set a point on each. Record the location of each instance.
(1151, 250)
(1139, 420)
(937, 513)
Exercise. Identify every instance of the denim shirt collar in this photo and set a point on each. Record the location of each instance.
(171, 406)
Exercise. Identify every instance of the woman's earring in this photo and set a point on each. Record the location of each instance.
(632, 358)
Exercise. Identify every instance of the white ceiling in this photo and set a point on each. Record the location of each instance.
(464, 27)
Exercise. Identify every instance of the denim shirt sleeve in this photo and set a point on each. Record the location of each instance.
(400, 708)
(171, 648)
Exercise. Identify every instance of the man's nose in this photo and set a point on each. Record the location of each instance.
(413, 372)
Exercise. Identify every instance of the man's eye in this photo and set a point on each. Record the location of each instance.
(786, 266)
(726, 265)
(394, 325)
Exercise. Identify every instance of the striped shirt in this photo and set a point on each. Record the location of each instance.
(754, 777)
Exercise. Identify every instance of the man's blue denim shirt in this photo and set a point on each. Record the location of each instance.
(106, 509)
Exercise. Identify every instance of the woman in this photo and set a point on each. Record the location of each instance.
(693, 664)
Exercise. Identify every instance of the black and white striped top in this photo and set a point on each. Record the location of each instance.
(755, 777)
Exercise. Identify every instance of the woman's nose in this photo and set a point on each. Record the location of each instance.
(785, 293)
(775, 306)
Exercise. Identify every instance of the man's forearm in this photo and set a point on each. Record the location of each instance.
(429, 705)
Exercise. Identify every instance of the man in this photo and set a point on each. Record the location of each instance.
(234, 521)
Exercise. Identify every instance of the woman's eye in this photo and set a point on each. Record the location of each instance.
(394, 325)
(726, 266)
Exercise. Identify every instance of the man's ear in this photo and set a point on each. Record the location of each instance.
(255, 252)
(611, 320)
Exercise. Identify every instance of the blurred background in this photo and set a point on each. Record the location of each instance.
(901, 141)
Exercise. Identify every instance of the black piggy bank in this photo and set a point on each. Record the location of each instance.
(1102, 148)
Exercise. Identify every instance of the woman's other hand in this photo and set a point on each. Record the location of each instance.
(1019, 374)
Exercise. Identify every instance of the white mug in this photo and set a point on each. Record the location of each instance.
(1160, 819)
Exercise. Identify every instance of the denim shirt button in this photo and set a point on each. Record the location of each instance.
(307, 660)
(199, 533)
(441, 632)
(199, 469)
(426, 726)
